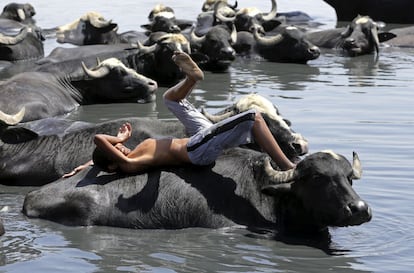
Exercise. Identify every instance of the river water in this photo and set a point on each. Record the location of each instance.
(344, 104)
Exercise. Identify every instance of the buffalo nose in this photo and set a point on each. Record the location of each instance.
(314, 50)
(350, 42)
(359, 211)
(175, 29)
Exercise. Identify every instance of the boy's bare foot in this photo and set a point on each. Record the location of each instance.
(188, 66)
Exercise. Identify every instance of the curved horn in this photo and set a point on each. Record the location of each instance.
(268, 41)
(12, 119)
(374, 33)
(12, 40)
(234, 6)
(98, 22)
(218, 7)
(356, 166)
(233, 34)
(197, 39)
(272, 13)
(279, 177)
(217, 118)
(146, 49)
(96, 74)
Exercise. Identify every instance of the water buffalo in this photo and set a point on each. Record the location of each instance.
(19, 42)
(162, 18)
(44, 94)
(213, 51)
(240, 189)
(22, 13)
(287, 44)
(389, 11)
(154, 58)
(23, 147)
(91, 28)
(358, 38)
(249, 19)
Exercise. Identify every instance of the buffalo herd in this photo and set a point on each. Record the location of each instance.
(243, 187)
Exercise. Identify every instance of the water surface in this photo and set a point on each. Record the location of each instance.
(360, 104)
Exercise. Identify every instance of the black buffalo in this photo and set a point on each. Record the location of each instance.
(162, 18)
(287, 44)
(213, 51)
(251, 19)
(18, 42)
(240, 189)
(44, 94)
(39, 152)
(91, 28)
(357, 38)
(389, 11)
(25, 160)
(153, 59)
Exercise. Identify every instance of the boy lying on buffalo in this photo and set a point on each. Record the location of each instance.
(206, 142)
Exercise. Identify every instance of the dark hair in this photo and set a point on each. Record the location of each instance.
(101, 159)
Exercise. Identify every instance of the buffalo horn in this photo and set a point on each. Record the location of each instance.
(268, 41)
(12, 119)
(101, 72)
(218, 7)
(217, 118)
(233, 35)
(356, 167)
(99, 22)
(279, 177)
(146, 49)
(272, 12)
(374, 34)
(197, 39)
(12, 40)
(20, 13)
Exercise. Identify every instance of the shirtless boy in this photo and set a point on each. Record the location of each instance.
(206, 142)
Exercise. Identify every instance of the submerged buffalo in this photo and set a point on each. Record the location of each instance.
(43, 94)
(240, 189)
(18, 42)
(360, 37)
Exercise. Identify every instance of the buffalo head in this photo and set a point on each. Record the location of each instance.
(19, 12)
(292, 144)
(91, 28)
(19, 42)
(116, 82)
(361, 36)
(288, 45)
(318, 193)
(251, 19)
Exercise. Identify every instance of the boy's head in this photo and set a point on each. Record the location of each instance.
(101, 159)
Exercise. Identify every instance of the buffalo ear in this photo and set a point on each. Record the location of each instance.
(147, 26)
(385, 36)
(273, 190)
(271, 25)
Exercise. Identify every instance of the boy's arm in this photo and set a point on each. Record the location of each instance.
(78, 169)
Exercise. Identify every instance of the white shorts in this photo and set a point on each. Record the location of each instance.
(207, 140)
